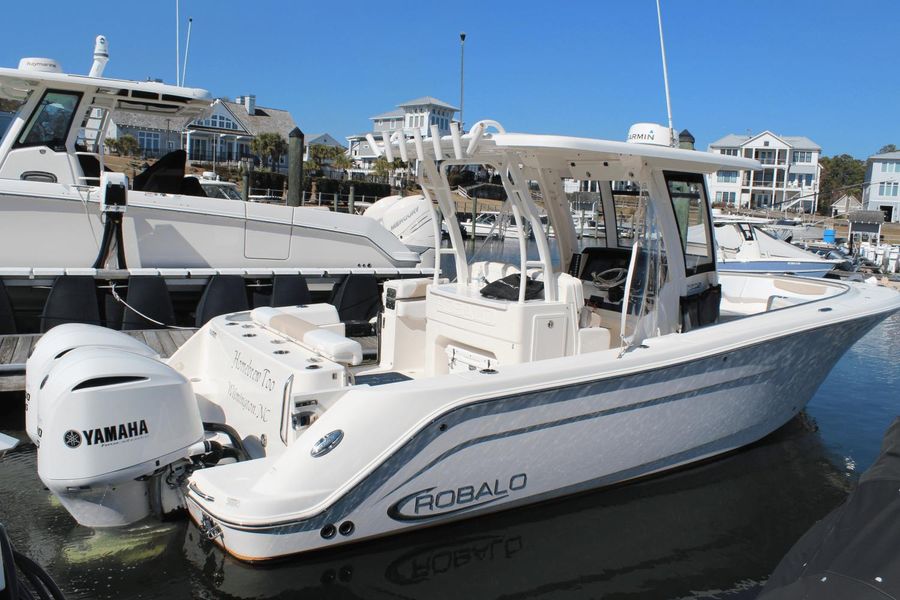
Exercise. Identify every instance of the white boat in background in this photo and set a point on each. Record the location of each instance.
(489, 223)
(743, 244)
(513, 384)
(216, 188)
(53, 180)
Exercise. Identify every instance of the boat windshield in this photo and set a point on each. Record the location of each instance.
(218, 190)
(9, 109)
(49, 124)
(688, 195)
(587, 209)
(626, 198)
(649, 273)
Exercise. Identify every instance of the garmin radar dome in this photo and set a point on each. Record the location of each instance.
(653, 134)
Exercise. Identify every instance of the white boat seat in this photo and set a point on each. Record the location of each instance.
(313, 326)
(405, 289)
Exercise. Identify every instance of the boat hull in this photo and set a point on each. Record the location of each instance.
(511, 450)
(62, 228)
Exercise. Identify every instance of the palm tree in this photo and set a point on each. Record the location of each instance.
(342, 161)
(269, 145)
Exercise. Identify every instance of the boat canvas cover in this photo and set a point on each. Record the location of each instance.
(851, 553)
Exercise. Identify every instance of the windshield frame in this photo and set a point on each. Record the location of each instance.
(36, 114)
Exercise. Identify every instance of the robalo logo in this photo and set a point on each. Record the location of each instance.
(434, 502)
(72, 438)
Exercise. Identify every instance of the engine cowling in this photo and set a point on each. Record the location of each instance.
(55, 344)
(409, 218)
(109, 418)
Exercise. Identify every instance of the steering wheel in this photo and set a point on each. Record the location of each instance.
(609, 278)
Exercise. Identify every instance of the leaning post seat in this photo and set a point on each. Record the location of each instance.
(316, 327)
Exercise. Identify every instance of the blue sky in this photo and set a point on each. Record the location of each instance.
(826, 69)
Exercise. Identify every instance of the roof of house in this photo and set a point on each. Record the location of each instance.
(795, 141)
(886, 156)
(146, 120)
(801, 141)
(847, 199)
(263, 119)
(391, 114)
(866, 216)
(428, 100)
(322, 139)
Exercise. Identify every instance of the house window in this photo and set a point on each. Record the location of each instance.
(887, 188)
(766, 157)
(725, 197)
(729, 151)
(890, 167)
(802, 156)
(727, 176)
(148, 142)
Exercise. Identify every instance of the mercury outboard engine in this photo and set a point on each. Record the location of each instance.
(409, 218)
(55, 344)
(112, 423)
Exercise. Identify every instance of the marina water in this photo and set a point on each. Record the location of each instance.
(713, 530)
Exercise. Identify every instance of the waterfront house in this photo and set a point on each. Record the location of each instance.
(420, 113)
(882, 191)
(222, 137)
(789, 178)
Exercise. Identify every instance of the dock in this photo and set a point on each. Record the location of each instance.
(15, 350)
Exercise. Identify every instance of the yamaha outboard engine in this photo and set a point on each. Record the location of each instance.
(112, 423)
(55, 344)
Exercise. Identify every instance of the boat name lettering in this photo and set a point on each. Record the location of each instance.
(432, 502)
(257, 410)
(261, 376)
(109, 435)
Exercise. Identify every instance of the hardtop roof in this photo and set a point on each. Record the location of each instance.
(120, 94)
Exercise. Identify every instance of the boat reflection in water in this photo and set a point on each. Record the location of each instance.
(717, 527)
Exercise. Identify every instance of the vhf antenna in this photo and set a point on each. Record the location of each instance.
(177, 46)
(662, 47)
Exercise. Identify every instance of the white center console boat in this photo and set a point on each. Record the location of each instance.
(744, 245)
(512, 384)
(53, 176)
